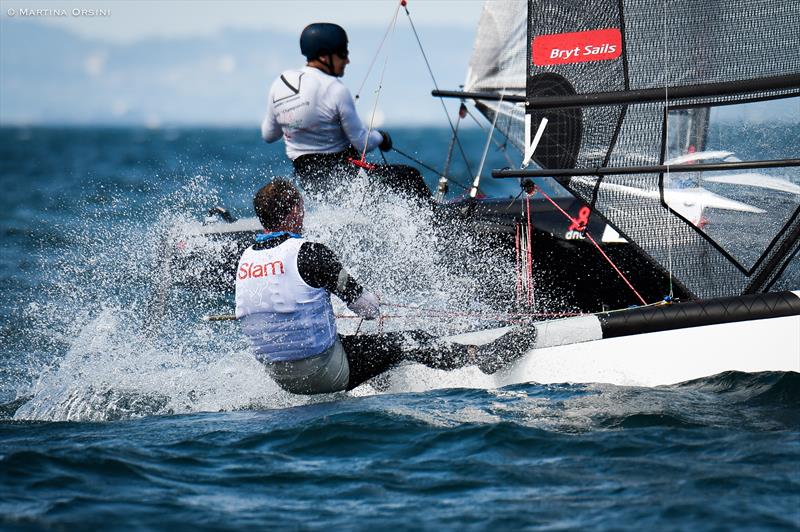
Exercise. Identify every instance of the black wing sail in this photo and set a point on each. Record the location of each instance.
(718, 58)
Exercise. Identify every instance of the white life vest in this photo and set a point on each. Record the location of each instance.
(315, 113)
(284, 318)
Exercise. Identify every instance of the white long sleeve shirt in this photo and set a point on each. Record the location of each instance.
(314, 113)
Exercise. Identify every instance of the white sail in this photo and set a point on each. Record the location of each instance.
(498, 63)
(500, 55)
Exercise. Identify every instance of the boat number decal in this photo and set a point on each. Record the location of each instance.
(578, 226)
(577, 47)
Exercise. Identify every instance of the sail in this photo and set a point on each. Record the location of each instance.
(498, 64)
(709, 61)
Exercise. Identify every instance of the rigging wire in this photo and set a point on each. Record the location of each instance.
(427, 167)
(441, 186)
(517, 241)
(474, 190)
(524, 253)
(443, 313)
(436, 85)
(501, 147)
(666, 178)
(430, 312)
(596, 245)
(392, 27)
(515, 198)
(375, 57)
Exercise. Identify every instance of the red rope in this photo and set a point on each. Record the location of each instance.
(519, 267)
(603, 253)
(518, 316)
(437, 313)
(531, 299)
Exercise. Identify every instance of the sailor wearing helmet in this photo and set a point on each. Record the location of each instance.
(312, 110)
(283, 301)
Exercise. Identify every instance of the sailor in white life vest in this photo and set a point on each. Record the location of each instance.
(316, 116)
(283, 288)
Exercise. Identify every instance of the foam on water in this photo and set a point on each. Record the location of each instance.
(103, 359)
(392, 246)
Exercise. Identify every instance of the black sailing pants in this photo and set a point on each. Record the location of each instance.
(319, 172)
(369, 355)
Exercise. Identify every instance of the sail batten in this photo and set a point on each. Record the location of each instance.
(788, 85)
(659, 169)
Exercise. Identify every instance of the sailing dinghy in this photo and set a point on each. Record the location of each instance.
(630, 99)
(629, 91)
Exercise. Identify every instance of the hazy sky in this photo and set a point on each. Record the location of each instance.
(131, 20)
(211, 61)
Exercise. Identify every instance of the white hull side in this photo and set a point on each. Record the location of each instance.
(665, 357)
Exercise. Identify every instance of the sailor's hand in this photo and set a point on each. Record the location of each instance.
(386, 143)
(366, 306)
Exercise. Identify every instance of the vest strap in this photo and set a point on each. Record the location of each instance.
(263, 237)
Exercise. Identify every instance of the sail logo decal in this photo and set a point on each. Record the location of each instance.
(249, 270)
(577, 47)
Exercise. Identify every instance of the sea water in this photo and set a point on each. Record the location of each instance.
(111, 417)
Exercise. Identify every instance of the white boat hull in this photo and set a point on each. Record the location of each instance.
(665, 357)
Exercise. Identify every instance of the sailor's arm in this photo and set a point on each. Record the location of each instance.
(270, 129)
(351, 123)
(319, 267)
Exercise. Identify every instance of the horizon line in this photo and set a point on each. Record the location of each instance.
(182, 125)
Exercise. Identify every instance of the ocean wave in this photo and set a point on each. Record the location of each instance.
(777, 388)
(761, 401)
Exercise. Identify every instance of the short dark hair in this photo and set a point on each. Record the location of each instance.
(275, 201)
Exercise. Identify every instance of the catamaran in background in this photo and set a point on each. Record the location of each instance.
(631, 95)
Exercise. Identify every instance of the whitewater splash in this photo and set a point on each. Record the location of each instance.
(109, 362)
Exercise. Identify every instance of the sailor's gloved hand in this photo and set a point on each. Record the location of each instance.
(366, 306)
(386, 143)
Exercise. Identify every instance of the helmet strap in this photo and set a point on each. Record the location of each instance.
(328, 63)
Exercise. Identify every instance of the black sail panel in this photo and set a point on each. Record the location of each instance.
(601, 46)
(562, 36)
